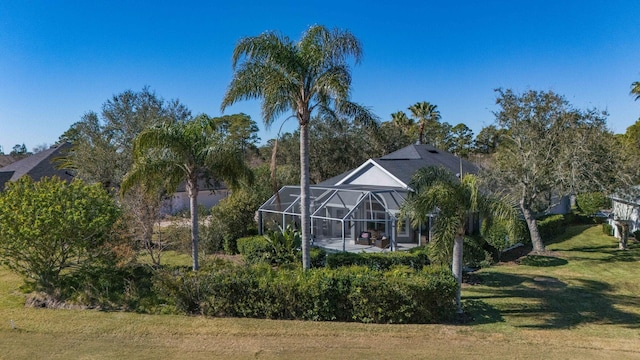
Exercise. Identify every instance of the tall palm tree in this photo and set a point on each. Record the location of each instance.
(193, 152)
(635, 89)
(427, 116)
(436, 189)
(311, 75)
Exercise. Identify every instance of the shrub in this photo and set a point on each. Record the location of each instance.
(51, 229)
(379, 261)
(607, 229)
(551, 226)
(359, 294)
(318, 257)
(253, 248)
(591, 202)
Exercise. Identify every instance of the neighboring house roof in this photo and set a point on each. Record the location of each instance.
(397, 168)
(36, 166)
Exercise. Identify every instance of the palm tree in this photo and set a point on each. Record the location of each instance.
(192, 152)
(401, 120)
(635, 89)
(437, 190)
(311, 75)
(426, 114)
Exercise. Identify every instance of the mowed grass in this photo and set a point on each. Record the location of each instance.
(581, 304)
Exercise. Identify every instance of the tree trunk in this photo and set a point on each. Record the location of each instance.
(304, 195)
(536, 240)
(456, 266)
(623, 231)
(193, 207)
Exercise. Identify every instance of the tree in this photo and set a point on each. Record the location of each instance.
(52, 229)
(436, 189)
(19, 150)
(635, 89)
(488, 139)
(428, 118)
(549, 150)
(193, 152)
(239, 129)
(304, 77)
(461, 140)
(103, 143)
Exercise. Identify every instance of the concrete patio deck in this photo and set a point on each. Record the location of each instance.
(335, 245)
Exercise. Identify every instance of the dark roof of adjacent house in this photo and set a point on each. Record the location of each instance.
(406, 161)
(403, 163)
(36, 166)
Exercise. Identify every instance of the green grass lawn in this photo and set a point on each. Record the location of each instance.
(583, 303)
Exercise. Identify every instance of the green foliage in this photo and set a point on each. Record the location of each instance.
(591, 202)
(283, 245)
(253, 248)
(551, 226)
(607, 229)
(496, 234)
(345, 294)
(318, 257)
(379, 261)
(51, 229)
(474, 253)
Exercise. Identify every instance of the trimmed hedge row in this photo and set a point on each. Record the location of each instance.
(551, 226)
(379, 261)
(357, 294)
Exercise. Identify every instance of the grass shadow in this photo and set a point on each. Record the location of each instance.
(542, 261)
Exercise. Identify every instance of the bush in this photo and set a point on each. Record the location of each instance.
(591, 202)
(551, 226)
(358, 294)
(253, 248)
(318, 257)
(379, 261)
(607, 229)
(52, 229)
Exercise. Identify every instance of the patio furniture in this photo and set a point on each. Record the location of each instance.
(364, 238)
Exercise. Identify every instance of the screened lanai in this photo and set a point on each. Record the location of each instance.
(350, 215)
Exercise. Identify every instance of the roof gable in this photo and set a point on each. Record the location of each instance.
(371, 173)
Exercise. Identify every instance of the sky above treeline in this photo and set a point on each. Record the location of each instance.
(62, 59)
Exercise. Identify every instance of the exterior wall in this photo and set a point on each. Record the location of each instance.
(373, 175)
(626, 211)
(180, 200)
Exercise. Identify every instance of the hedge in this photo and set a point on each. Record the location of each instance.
(353, 293)
(379, 261)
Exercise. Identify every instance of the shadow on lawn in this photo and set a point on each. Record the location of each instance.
(548, 303)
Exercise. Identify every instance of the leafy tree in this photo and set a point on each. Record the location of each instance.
(461, 140)
(19, 150)
(549, 150)
(190, 152)
(51, 229)
(103, 143)
(240, 130)
(436, 189)
(590, 202)
(488, 139)
(304, 77)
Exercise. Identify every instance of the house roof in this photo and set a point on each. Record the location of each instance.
(37, 166)
(397, 168)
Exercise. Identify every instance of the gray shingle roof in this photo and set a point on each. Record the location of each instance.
(37, 166)
(405, 162)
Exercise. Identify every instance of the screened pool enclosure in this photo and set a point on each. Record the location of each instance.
(349, 216)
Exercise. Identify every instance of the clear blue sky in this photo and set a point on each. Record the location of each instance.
(60, 59)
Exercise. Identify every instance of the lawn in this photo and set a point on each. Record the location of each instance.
(582, 303)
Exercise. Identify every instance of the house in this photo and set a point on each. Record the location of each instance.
(36, 166)
(627, 209)
(358, 210)
(208, 197)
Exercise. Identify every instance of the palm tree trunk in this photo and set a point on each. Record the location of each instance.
(304, 195)
(456, 267)
(536, 240)
(193, 207)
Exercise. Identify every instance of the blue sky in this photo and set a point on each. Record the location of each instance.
(61, 59)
